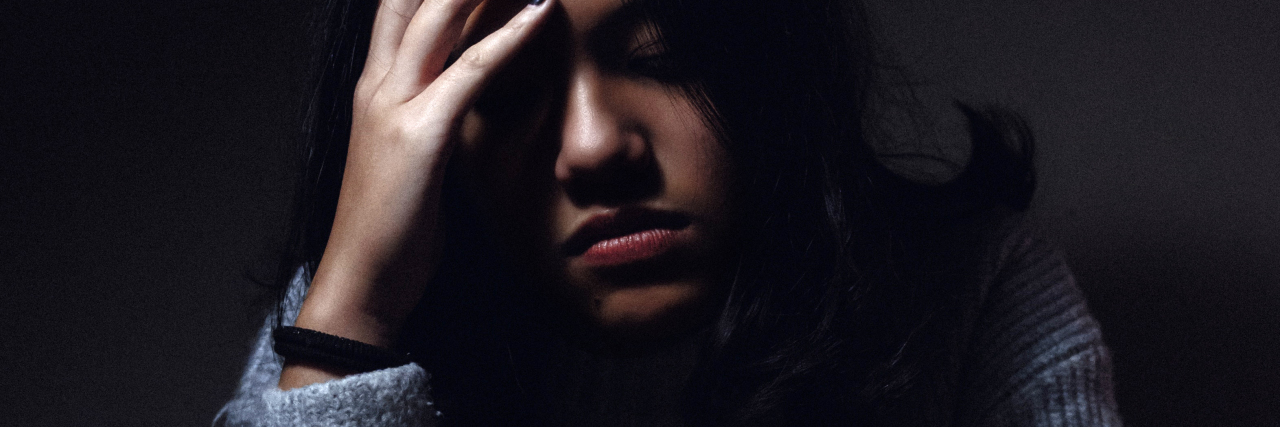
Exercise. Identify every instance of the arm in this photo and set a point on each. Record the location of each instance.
(1039, 358)
(385, 241)
(407, 113)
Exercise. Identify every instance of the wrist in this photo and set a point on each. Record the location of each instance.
(351, 301)
(349, 318)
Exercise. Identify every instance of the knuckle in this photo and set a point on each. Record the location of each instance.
(364, 92)
(513, 27)
(474, 58)
(400, 132)
(367, 103)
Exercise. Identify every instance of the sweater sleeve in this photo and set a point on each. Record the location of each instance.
(391, 397)
(1039, 358)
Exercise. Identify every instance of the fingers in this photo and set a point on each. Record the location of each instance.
(434, 30)
(389, 25)
(457, 87)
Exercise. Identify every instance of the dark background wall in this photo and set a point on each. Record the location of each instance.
(144, 166)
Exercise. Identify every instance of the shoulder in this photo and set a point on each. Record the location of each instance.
(1036, 355)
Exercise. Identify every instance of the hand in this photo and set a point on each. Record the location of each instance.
(386, 238)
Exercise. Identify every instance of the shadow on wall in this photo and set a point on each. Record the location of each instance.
(1192, 324)
(1158, 126)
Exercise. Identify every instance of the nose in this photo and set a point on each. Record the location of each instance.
(605, 155)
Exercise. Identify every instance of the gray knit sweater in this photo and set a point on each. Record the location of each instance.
(1040, 359)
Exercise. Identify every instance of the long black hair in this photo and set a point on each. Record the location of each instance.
(849, 305)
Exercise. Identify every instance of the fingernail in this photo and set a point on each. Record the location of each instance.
(536, 2)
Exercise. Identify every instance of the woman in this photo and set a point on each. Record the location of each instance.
(653, 212)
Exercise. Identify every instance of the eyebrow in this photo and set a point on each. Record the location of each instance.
(616, 30)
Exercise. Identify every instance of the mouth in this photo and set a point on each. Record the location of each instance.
(625, 236)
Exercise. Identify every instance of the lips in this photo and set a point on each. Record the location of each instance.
(626, 236)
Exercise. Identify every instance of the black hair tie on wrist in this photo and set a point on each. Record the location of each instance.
(298, 344)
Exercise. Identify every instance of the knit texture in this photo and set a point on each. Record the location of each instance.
(1036, 358)
(392, 397)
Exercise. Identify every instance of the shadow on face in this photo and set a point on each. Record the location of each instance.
(600, 177)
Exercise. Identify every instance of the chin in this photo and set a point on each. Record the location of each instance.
(642, 305)
(637, 317)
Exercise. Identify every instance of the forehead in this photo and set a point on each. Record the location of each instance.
(580, 19)
(586, 16)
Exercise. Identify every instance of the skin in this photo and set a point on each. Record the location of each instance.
(552, 124)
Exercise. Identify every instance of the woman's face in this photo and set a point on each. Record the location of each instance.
(599, 175)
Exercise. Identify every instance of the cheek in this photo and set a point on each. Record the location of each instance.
(653, 305)
(696, 165)
(699, 167)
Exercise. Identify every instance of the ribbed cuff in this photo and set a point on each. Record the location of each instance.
(392, 397)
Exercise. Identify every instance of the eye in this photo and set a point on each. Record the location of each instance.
(651, 60)
(511, 111)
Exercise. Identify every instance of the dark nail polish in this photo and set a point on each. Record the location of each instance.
(536, 2)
